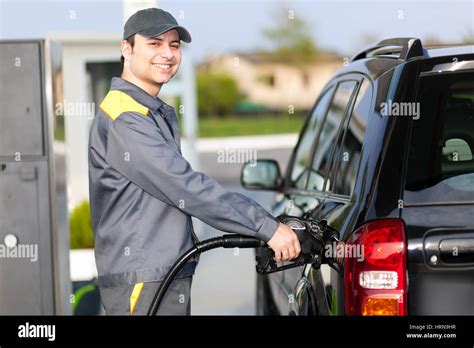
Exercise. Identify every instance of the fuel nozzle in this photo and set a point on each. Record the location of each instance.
(312, 234)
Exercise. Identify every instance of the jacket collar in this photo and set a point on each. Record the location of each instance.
(153, 103)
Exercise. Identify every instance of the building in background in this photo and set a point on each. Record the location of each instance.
(275, 84)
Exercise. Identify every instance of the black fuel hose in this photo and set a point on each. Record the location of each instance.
(226, 241)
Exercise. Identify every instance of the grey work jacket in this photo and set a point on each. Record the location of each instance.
(143, 192)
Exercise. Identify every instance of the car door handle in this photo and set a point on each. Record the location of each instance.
(457, 250)
(445, 247)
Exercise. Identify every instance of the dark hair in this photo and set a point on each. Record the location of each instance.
(131, 41)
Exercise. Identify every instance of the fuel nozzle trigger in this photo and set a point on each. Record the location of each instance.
(312, 235)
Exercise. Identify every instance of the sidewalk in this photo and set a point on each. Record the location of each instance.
(216, 154)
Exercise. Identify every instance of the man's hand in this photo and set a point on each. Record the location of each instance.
(285, 243)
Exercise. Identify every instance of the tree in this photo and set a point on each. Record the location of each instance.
(218, 94)
(290, 38)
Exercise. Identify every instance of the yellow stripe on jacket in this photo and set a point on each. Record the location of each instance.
(137, 290)
(116, 103)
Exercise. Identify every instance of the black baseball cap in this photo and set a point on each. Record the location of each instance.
(153, 22)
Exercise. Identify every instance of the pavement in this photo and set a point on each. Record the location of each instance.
(224, 283)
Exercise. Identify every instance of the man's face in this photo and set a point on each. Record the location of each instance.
(155, 60)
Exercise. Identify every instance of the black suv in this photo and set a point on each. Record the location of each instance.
(386, 157)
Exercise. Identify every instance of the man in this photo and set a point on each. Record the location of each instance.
(143, 192)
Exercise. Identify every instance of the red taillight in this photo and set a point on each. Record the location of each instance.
(376, 283)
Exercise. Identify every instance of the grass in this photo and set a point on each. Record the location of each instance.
(237, 125)
(212, 127)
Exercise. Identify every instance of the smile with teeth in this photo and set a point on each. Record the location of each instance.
(163, 66)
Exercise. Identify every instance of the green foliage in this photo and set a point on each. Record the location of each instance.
(290, 39)
(218, 94)
(59, 129)
(80, 227)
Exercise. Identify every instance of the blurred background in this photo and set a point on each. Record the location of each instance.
(245, 86)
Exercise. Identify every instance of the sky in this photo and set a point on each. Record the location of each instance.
(219, 26)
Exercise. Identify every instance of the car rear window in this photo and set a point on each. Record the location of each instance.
(440, 160)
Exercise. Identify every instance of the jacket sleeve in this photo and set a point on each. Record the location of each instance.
(137, 149)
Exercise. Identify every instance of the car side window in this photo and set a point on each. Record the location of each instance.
(301, 160)
(327, 138)
(347, 160)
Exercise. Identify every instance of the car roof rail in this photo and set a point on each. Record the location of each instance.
(407, 47)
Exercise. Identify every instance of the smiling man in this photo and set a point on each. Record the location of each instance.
(143, 192)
